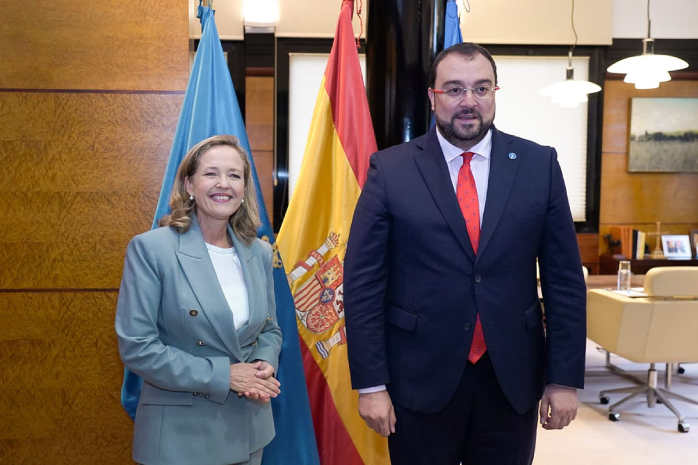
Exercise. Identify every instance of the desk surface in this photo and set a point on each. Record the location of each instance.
(611, 281)
(609, 264)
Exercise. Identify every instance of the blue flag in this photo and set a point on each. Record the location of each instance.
(452, 34)
(211, 108)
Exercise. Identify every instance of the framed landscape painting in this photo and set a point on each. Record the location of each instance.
(663, 135)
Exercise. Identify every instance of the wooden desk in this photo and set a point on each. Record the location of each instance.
(606, 281)
(608, 264)
(610, 281)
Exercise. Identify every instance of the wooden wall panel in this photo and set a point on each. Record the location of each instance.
(66, 44)
(90, 95)
(616, 108)
(82, 175)
(60, 380)
(264, 163)
(259, 117)
(641, 199)
(646, 197)
(588, 250)
(259, 122)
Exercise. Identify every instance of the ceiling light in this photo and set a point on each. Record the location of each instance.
(260, 13)
(570, 93)
(646, 71)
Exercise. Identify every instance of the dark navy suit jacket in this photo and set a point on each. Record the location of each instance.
(413, 285)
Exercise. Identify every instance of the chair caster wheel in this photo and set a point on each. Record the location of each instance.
(684, 427)
(604, 400)
(613, 416)
(681, 370)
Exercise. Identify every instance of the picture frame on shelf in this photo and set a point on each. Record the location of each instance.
(677, 246)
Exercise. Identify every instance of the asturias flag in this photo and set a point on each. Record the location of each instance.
(313, 240)
(210, 108)
(452, 34)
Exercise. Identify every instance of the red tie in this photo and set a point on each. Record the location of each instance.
(470, 207)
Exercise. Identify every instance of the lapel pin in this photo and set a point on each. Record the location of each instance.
(512, 156)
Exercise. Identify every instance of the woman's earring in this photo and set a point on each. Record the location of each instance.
(242, 200)
(191, 197)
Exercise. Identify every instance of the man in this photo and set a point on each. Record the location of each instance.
(440, 284)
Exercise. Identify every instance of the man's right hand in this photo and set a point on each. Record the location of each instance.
(376, 409)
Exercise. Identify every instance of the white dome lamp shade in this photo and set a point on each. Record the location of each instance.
(570, 93)
(646, 71)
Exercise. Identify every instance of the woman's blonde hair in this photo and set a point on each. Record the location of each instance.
(244, 221)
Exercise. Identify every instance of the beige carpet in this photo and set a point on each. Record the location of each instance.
(642, 436)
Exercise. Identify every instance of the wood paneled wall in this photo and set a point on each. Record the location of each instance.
(259, 122)
(641, 199)
(90, 95)
(588, 251)
(106, 45)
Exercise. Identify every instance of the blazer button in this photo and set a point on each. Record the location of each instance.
(269, 318)
(199, 343)
(193, 312)
(254, 343)
(467, 327)
(195, 393)
(478, 278)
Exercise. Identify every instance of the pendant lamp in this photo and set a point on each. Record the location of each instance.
(570, 92)
(646, 71)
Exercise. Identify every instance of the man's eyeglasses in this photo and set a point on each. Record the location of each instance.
(457, 93)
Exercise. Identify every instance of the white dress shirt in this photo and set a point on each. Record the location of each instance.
(479, 166)
(229, 274)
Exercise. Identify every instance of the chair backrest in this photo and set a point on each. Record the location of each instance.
(672, 281)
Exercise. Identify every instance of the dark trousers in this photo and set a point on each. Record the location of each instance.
(477, 427)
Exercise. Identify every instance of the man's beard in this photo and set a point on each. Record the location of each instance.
(457, 134)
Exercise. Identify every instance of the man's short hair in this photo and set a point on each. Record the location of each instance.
(466, 50)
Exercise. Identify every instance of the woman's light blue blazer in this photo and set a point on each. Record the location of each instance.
(176, 331)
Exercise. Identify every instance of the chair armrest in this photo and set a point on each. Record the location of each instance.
(618, 323)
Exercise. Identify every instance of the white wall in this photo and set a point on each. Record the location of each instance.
(541, 22)
(490, 21)
(228, 19)
(671, 19)
(297, 18)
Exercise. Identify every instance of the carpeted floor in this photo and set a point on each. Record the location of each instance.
(643, 436)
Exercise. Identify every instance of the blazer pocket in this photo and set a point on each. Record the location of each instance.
(400, 318)
(534, 316)
(155, 396)
(526, 213)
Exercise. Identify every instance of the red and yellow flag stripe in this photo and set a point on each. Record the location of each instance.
(312, 242)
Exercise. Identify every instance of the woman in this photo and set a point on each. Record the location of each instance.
(196, 318)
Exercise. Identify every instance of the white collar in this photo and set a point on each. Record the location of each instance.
(450, 151)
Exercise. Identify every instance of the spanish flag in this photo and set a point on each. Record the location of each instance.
(312, 242)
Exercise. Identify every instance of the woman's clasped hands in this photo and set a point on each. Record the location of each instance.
(254, 380)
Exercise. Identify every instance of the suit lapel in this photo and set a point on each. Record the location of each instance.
(196, 263)
(432, 165)
(502, 173)
(251, 272)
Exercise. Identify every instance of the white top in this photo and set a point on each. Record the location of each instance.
(479, 166)
(229, 274)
